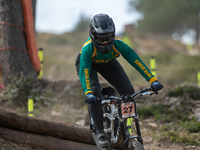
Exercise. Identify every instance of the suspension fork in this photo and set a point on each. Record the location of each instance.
(124, 134)
(138, 130)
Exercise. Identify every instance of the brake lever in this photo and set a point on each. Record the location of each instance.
(152, 93)
(146, 93)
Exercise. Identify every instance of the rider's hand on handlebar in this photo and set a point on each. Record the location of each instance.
(91, 99)
(156, 86)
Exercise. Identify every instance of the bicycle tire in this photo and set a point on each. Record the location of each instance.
(135, 145)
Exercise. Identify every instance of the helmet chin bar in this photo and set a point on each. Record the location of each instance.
(103, 49)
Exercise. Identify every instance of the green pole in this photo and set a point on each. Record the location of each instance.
(153, 65)
(30, 106)
(198, 78)
(40, 54)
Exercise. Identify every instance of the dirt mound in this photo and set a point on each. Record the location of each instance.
(67, 106)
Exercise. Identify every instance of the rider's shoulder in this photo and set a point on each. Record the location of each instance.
(87, 47)
(117, 39)
(119, 43)
(88, 42)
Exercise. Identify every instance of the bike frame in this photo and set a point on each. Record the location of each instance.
(115, 112)
(123, 127)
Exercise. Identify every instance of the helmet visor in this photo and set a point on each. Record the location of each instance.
(105, 38)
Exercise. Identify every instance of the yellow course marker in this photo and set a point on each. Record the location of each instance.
(30, 106)
(40, 54)
(153, 66)
(198, 78)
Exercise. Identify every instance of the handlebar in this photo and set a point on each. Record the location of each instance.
(126, 97)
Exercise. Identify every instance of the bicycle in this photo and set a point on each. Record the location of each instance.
(116, 112)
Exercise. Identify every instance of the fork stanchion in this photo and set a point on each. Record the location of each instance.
(30, 106)
(129, 124)
(198, 78)
(153, 65)
(40, 54)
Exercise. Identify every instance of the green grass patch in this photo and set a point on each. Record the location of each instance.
(176, 127)
(192, 91)
(182, 138)
(161, 112)
(191, 126)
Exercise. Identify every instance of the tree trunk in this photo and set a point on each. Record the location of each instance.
(42, 141)
(33, 9)
(35, 125)
(14, 57)
(65, 131)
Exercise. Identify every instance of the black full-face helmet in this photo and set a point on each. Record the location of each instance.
(102, 32)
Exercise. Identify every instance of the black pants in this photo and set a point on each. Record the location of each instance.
(115, 75)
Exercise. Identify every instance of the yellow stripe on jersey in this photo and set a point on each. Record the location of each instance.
(86, 43)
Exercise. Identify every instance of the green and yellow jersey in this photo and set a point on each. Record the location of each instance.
(89, 55)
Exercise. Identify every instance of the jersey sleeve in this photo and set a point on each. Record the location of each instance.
(134, 60)
(85, 68)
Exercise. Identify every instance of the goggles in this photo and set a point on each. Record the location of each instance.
(104, 38)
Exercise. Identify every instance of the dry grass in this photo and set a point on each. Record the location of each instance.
(174, 65)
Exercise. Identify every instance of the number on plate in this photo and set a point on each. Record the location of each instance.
(127, 110)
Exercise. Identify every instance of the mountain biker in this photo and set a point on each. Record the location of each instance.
(98, 55)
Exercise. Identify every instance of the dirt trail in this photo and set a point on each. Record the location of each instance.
(63, 91)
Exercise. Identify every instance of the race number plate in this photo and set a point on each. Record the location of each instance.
(127, 110)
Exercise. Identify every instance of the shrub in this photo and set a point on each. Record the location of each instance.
(20, 88)
(192, 91)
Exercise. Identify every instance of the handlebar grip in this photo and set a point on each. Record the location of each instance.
(150, 89)
(99, 100)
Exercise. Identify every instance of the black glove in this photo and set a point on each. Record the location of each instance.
(91, 99)
(156, 86)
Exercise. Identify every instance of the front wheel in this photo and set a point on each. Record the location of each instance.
(135, 145)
